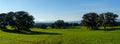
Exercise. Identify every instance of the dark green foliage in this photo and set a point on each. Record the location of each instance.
(52, 25)
(93, 20)
(58, 24)
(3, 22)
(66, 24)
(74, 24)
(23, 20)
(10, 18)
(43, 26)
(20, 20)
(90, 20)
(107, 19)
(117, 24)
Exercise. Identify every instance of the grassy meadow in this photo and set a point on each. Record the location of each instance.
(72, 35)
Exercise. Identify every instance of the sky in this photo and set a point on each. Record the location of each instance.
(67, 10)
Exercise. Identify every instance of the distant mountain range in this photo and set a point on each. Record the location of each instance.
(53, 22)
(74, 22)
(50, 22)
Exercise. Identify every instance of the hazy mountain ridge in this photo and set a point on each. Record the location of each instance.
(53, 22)
(49, 23)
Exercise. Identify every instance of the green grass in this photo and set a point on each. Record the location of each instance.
(72, 35)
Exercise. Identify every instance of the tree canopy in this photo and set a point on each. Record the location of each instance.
(90, 20)
(20, 20)
(93, 20)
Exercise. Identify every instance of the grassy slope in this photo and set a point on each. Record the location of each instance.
(76, 35)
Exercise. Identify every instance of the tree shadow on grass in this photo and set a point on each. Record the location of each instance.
(110, 29)
(30, 32)
(113, 29)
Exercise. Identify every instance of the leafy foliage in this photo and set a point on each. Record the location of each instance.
(20, 20)
(90, 20)
(107, 19)
(24, 21)
(2, 20)
(59, 24)
(43, 26)
(93, 20)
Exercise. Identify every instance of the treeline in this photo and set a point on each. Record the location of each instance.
(90, 20)
(94, 20)
(19, 20)
(22, 20)
(59, 24)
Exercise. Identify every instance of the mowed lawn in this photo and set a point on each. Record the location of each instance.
(73, 35)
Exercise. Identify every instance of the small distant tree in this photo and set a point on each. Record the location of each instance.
(59, 24)
(52, 25)
(67, 24)
(74, 24)
(90, 20)
(43, 26)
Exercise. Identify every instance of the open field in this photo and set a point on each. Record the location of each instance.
(73, 35)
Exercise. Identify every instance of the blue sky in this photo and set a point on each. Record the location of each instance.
(51, 10)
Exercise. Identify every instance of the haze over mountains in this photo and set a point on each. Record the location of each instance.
(53, 22)
(50, 22)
